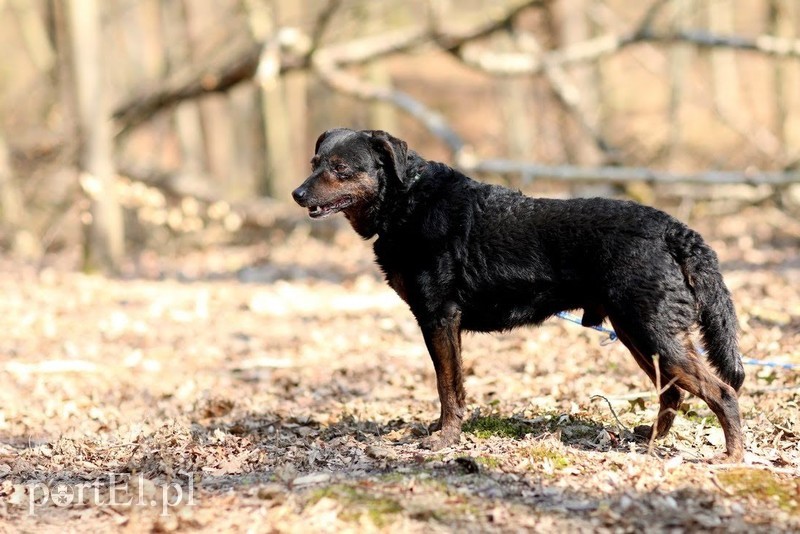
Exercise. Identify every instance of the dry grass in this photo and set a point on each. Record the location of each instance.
(286, 387)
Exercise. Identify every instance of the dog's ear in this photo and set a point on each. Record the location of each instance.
(320, 139)
(393, 153)
(325, 135)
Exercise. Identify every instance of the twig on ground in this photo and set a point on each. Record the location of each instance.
(619, 423)
(653, 429)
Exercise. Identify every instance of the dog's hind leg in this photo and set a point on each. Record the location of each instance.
(680, 367)
(694, 376)
(443, 339)
(670, 396)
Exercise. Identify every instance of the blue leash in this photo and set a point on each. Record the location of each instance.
(612, 337)
(765, 363)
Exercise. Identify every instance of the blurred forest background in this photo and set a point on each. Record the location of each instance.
(131, 125)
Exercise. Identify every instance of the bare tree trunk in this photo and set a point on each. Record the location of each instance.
(780, 24)
(794, 142)
(296, 95)
(246, 167)
(560, 133)
(151, 48)
(575, 29)
(279, 181)
(104, 243)
(514, 106)
(34, 33)
(597, 79)
(187, 118)
(10, 198)
(23, 243)
(728, 84)
(382, 115)
(725, 73)
(679, 60)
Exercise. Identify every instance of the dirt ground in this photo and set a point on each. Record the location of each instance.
(284, 387)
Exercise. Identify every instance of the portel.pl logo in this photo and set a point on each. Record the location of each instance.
(115, 490)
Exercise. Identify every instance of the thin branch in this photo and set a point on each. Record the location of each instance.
(331, 61)
(610, 174)
(518, 63)
(322, 23)
(757, 135)
(452, 41)
(768, 45)
(329, 64)
(356, 87)
(570, 99)
(660, 391)
(240, 65)
(619, 423)
(359, 51)
(654, 428)
(650, 15)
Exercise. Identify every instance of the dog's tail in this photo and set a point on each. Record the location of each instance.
(717, 316)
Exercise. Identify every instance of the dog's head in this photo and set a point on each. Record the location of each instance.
(350, 172)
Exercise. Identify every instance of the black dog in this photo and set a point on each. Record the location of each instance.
(470, 256)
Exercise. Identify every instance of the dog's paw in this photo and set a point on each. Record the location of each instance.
(440, 440)
(643, 432)
(435, 426)
(727, 458)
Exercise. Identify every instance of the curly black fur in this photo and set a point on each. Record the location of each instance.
(470, 256)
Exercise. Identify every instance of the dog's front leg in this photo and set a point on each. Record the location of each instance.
(443, 339)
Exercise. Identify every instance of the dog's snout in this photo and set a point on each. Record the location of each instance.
(300, 194)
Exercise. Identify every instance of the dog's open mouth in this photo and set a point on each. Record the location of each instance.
(318, 212)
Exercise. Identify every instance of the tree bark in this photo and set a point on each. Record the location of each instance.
(725, 73)
(35, 34)
(575, 29)
(780, 24)
(296, 101)
(382, 115)
(273, 102)
(188, 123)
(10, 198)
(680, 56)
(104, 238)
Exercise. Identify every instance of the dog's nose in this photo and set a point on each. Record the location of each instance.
(299, 194)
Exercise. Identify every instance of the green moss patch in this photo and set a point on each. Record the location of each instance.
(540, 453)
(357, 502)
(493, 425)
(763, 486)
(705, 420)
(488, 461)
(572, 428)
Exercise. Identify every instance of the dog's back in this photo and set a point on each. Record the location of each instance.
(509, 259)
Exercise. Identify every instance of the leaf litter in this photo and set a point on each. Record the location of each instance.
(287, 387)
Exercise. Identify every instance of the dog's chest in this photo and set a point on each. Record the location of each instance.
(397, 283)
(389, 257)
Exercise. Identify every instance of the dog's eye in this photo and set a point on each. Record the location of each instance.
(341, 167)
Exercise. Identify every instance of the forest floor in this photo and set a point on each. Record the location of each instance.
(283, 386)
